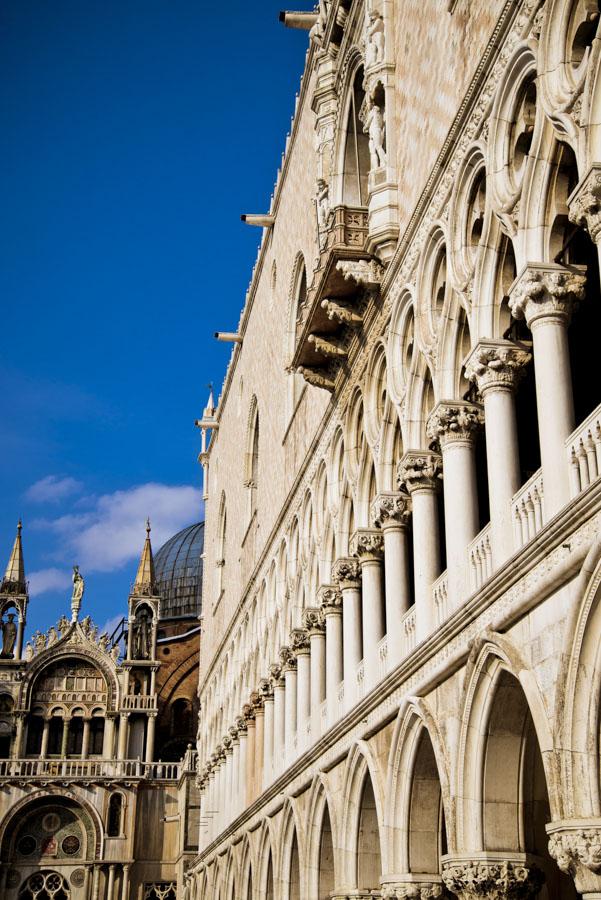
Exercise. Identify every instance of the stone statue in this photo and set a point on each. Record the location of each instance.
(103, 641)
(39, 641)
(374, 125)
(28, 651)
(317, 33)
(9, 636)
(63, 625)
(115, 653)
(374, 39)
(142, 635)
(77, 595)
(52, 636)
(323, 203)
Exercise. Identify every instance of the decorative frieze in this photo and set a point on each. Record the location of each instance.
(420, 470)
(546, 289)
(584, 203)
(329, 598)
(494, 880)
(497, 365)
(346, 573)
(367, 544)
(391, 509)
(454, 422)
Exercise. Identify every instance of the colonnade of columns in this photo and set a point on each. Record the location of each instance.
(116, 881)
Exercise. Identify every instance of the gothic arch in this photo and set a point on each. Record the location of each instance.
(321, 810)
(291, 854)
(361, 768)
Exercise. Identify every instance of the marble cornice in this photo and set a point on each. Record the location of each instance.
(547, 562)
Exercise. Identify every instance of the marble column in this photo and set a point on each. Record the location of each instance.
(368, 545)
(455, 425)
(249, 771)
(108, 742)
(313, 622)
(390, 513)
(259, 746)
(279, 723)
(330, 601)
(150, 731)
(288, 662)
(266, 690)
(575, 844)
(110, 888)
(85, 742)
(125, 882)
(497, 367)
(122, 738)
(45, 735)
(228, 780)
(420, 472)
(545, 294)
(299, 641)
(18, 749)
(494, 875)
(346, 574)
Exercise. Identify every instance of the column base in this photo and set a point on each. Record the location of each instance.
(493, 875)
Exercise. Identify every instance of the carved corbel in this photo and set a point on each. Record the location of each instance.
(343, 314)
(316, 377)
(367, 272)
(328, 347)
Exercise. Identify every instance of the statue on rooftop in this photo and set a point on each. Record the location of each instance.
(9, 636)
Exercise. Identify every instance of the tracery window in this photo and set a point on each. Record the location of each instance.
(221, 536)
(251, 479)
(160, 890)
(356, 149)
(45, 886)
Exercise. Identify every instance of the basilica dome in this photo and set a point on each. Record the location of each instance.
(178, 572)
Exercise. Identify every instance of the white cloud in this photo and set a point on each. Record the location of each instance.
(111, 533)
(44, 580)
(110, 625)
(51, 489)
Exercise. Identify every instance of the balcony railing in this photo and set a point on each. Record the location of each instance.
(527, 510)
(87, 769)
(408, 631)
(480, 557)
(383, 657)
(143, 702)
(440, 597)
(360, 675)
(584, 453)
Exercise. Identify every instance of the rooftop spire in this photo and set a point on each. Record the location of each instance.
(209, 410)
(14, 577)
(144, 585)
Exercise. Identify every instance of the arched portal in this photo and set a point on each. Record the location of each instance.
(326, 857)
(369, 864)
(427, 831)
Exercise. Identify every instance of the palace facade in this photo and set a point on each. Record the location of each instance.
(401, 667)
(98, 794)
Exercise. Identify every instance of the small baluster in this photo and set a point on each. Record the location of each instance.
(574, 472)
(591, 457)
(583, 465)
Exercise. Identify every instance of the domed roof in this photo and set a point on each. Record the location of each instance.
(178, 572)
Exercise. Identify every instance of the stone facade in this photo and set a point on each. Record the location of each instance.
(400, 670)
(89, 808)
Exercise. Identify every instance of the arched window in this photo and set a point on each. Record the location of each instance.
(221, 536)
(298, 298)
(356, 149)
(45, 885)
(115, 814)
(251, 479)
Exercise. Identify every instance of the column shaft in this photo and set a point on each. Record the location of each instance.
(150, 730)
(268, 741)
(426, 558)
(318, 680)
(460, 513)
(352, 646)
(397, 589)
(303, 702)
(279, 736)
(333, 619)
(85, 742)
(45, 735)
(290, 712)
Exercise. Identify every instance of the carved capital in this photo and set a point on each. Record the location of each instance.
(420, 470)
(455, 422)
(495, 365)
(329, 599)
(584, 203)
(391, 508)
(275, 670)
(367, 544)
(346, 573)
(299, 641)
(576, 847)
(366, 272)
(494, 879)
(313, 620)
(412, 889)
(287, 659)
(544, 290)
(241, 726)
(266, 689)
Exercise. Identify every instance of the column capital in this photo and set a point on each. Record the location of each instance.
(492, 877)
(497, 365)
(346, 572)
(575, 844)
(287, 659)
(277, 676)
(584, 203)
(412, 889)
(546, 290)
(455, 422)
(367, 544)
(226, 742)
(233, 732)
(330, 599)
(266, 689)
(299, 641)
(313, 620)
(420, 470)
(256, 701)
(391, 509)
(241, 726)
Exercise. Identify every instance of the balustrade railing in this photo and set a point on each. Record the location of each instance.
(584, 453)
(440, 598)
(88, 769)
(480, 557)
(408, 631)
(527, 510)
(142, 702)
(383, 657)
(341, 693)
(360, 680)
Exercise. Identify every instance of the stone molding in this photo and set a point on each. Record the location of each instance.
(329, 599)
(584, 203)
(313, 620)
(420, 470)
(346, 573)
(544, 290)
(495, 879)
(576, 847)
(453, 422)
(497, 365)
(391, 509)
(367, 544)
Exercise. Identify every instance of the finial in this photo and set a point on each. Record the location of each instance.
(148, 529)
(19, 526)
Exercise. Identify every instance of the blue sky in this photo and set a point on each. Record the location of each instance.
(134, 133)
